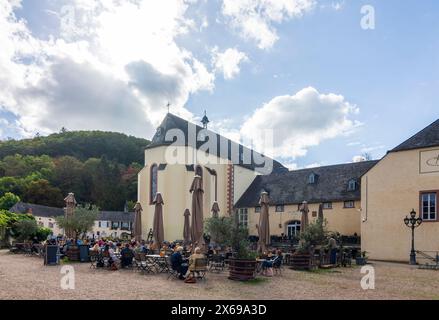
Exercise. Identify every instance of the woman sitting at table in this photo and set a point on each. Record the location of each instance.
(178, 263)
(196, 255)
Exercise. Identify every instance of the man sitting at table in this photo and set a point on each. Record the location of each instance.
(127, 256)
(178, 264)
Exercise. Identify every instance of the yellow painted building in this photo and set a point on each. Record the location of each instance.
(336, 187)
(406, 178)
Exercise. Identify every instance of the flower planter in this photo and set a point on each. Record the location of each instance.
(242, 270)
(301, 262)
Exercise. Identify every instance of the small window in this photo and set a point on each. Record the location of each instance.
(349, 204)
(429, 206)
(312, 178)
(327, 205)
(258, 209)
(51, 225)
(243, 217)
(125, 226)
(115, 225)
(352, 185)
(41, 224)
(280, 208)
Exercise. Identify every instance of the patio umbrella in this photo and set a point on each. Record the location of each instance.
(197, 212)
(304, 220)
(186, 227)
(138, 221)
(157, 227)
(215, 209)
(264, 223)
(320, 214)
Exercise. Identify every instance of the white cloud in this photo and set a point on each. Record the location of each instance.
(116, 73)
(228, 62)
(297, 122)
(255, 19)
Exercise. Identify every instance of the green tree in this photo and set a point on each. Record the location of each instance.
(25, 229)
(42, 233)
(12, 185)
(81, 221)
(219, 229)
(8, 201)
(41, 192)
(68, 176)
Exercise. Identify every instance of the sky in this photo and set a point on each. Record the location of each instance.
(327, 80)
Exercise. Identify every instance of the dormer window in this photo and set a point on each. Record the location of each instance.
(352, 185)
(312, 178)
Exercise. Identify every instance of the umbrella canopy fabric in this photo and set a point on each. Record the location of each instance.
(138, 221)
(186, 227)
(304, 220)
(157, 229)
(215, 209)
(320, 214)
(264, 222)
(197, 211)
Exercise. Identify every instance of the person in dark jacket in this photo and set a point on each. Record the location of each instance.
(126, 256)
(178, 263)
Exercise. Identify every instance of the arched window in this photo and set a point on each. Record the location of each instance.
(352, 185)
(153, 182)
(312, 178)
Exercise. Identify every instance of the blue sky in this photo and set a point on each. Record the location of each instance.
(330, 89)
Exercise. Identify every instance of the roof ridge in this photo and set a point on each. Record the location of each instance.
(405, 145)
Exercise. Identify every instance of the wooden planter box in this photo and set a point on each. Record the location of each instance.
(242, 270)
(302, 262)
(73, 253)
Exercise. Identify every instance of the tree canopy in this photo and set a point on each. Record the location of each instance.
(98, 167)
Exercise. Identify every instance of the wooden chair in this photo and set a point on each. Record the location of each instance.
(277, 265)
(200, 268)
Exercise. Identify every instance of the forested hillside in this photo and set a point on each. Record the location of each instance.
(99, 167)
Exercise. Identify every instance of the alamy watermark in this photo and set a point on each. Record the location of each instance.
(368, 280)
(67, 281)
(368, 20)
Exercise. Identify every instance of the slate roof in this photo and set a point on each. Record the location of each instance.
(428, 137)
(172, 121)
(37, 210)
(292, 187)
(49, 212)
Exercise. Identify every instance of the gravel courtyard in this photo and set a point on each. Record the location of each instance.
(23, 277)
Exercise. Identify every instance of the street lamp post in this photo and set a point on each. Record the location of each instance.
(413, 222)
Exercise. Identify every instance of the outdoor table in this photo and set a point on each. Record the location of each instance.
(158, 261)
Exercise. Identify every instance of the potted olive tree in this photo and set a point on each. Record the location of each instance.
(312, 236)
(226, 231)
(80, 223)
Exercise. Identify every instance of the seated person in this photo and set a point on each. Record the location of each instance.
(196, 255)
(272, 260)
(127, 256)
(178, 263)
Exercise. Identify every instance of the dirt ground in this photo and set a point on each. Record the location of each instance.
(23, 277)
